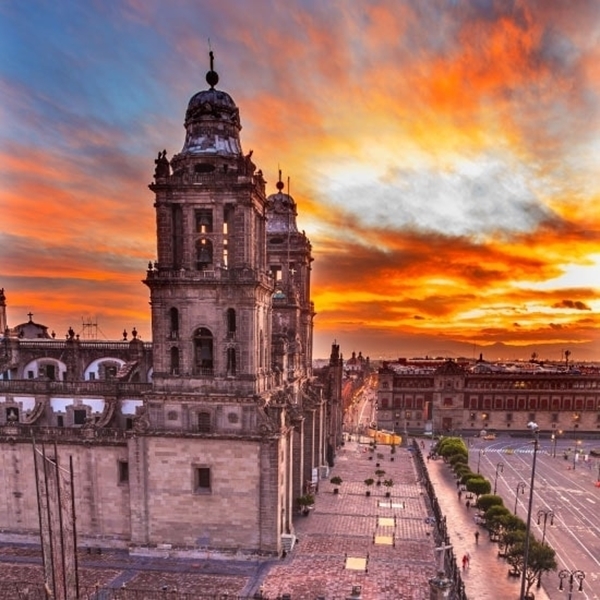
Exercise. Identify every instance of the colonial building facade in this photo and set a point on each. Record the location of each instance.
(454, 398)
(204, 438)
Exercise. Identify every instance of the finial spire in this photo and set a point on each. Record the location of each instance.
(212, 77)
(279, 183)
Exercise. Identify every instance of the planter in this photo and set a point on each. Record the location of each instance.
(388, 494)
(367, 493)
(392, 459)
(370, 458)
(336, 490)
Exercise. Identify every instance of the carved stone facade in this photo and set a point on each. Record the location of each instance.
(454, 399)
(204, 438)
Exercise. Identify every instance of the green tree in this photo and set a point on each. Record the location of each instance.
(541, 558)
(457, 459)
(495, 518)
(336, 481)
(468, 475)
(462, 469)
(478, 486)
(449, 446)
(488, 500)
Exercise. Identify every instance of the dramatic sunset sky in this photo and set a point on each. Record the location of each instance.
(444, 156)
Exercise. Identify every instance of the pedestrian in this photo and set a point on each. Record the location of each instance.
(477, 537)
(459, 494)
(465, 561)
(468, 504)
(457, 483)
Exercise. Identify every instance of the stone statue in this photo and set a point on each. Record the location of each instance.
(163, 168)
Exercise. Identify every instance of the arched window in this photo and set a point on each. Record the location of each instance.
(174, 361)
(231, 322)
(108, 370)
(174, 319)
(231, 361)
(204, 254)
(203, 352)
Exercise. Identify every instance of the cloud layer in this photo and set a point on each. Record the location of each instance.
(444, 157)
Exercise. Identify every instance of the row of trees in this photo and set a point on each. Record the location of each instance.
(503, 527)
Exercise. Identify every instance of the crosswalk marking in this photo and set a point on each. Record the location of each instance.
(515, 451)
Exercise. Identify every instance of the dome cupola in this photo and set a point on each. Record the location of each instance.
(212, 121)
(281, 212)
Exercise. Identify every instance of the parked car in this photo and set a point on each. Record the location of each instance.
(489, 436)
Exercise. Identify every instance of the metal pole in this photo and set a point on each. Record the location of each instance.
(534, 427)
(545, 512)
(50, 533)
(61, 524)
(520, 488)
(500, 467)
(74, 526)
(40, 514)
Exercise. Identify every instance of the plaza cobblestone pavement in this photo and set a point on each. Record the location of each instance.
(487, 576)
(341, 530)
(347, 525)
(387, 541)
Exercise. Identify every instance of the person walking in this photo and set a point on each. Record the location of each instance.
(465, 562)
(477, 537)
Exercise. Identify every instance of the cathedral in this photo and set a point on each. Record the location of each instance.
(204, 438)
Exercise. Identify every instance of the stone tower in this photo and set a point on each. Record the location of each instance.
(205, 438)
(210, 288)
(216, 442)
(290, 258)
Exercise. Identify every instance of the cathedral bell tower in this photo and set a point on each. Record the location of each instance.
(210, 288)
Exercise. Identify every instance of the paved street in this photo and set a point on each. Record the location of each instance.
(487, 576)
(565, 490)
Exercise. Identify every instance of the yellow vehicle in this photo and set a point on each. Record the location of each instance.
(489, 436)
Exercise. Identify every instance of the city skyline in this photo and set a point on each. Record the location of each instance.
(443, 156)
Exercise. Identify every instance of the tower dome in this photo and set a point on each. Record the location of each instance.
(212, 121)
(281, 212)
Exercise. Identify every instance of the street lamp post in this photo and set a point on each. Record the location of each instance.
(481, 451)
(572, 576)
(499, 467)
(576, 453)
(545, 512)
(553, 438)
(535, 430)
(520, 488)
